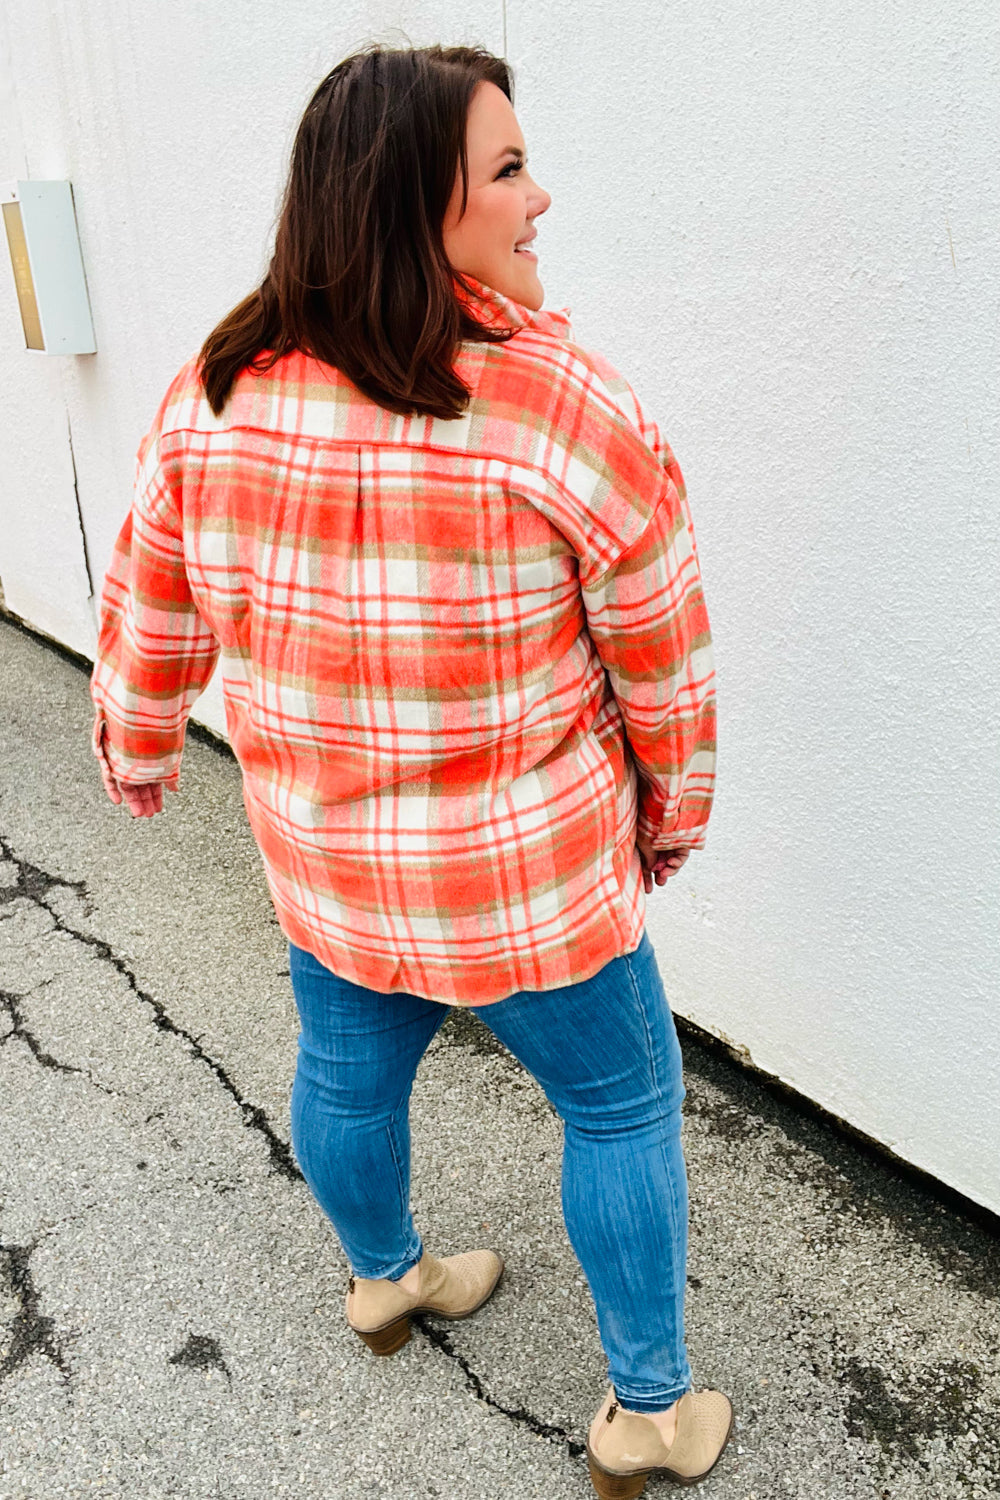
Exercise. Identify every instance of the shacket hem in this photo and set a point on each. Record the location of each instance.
(465, 984)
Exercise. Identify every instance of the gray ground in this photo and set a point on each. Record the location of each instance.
(171, 1299)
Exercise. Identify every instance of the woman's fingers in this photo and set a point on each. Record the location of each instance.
(142, 800)
(145, 800)
(110, 785)
(668, 862)
(659, 864)
(134, 799)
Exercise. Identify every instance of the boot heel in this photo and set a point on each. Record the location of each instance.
(617, 1486)
(388, 1339)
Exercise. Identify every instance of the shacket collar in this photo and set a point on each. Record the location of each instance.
(495, 310)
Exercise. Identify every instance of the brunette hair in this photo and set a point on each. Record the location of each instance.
(359, 277)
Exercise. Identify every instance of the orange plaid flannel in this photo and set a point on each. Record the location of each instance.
(447, 649)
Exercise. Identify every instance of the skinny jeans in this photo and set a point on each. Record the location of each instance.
(606, 1054)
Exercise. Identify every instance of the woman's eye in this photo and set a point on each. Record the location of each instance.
(511, 168)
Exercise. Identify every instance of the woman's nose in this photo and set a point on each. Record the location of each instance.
(540, 200)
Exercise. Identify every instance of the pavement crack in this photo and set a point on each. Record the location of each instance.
(32, 1331)
(12, 1005)
(518, 1414)
(20, 1031)
(34, 884)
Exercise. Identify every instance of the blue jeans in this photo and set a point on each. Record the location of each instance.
(606, 1053)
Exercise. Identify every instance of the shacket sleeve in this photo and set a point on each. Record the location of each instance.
(647, 618)
(155, 653)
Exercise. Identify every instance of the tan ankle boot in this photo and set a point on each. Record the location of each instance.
(453, 1287)
(624, 1448)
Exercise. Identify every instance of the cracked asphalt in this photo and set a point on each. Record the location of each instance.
(171, 1298)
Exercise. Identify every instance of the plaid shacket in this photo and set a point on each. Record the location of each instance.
(446, 648)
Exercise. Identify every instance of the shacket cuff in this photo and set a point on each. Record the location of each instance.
(127, 771)
(671, 837)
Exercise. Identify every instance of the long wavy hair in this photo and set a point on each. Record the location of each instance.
(359, 278)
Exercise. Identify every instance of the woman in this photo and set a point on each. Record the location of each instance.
(449, 567)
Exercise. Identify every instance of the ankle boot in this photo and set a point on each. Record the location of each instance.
(453, 1287)
(624, 1448)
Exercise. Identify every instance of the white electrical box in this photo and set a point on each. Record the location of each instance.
(44, 244)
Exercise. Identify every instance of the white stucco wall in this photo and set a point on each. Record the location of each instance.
(780, 220)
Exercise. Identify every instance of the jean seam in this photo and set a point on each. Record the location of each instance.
(393, 1146)
(404, 1103)
(674, 1214)
(645, 1025)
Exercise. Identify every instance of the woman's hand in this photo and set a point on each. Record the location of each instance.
(142, 801)
(658, 864)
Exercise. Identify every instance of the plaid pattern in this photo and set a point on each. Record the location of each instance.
(446, 646)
